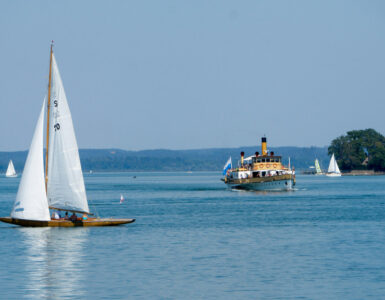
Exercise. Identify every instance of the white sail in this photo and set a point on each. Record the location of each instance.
(333, 167)
(11, 170)
(337, 169)
(31, 200)
(317, 167)
(65, 186)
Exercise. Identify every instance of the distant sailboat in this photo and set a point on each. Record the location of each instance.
(11, 170)
(318, 170)
(333, 170)
(121, 199)
(62, 185)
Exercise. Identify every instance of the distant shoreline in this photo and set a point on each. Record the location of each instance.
(351, 173)
(363, 173)
(113, 160)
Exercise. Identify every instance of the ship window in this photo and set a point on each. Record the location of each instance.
(267, 159)
(259, 160)
(263, 174)
(263, 159)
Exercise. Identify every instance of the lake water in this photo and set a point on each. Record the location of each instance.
(194, 239)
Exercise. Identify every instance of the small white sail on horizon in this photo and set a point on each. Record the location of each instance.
(65, 186)
(10, 170)
(31, 200)
(333, 169)
(317, 167)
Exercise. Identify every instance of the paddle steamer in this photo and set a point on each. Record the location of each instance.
(263, 171)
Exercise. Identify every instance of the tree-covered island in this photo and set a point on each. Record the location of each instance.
(359, 150)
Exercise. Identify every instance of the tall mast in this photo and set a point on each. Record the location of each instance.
(48, 110)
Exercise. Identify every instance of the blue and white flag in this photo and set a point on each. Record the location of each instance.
(227, 166)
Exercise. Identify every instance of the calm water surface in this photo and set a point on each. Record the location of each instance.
(194, 239)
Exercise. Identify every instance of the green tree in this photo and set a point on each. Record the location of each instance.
(352, 150)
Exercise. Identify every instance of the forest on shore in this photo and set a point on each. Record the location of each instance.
(359, 150)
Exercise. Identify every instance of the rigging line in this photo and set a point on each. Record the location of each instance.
(91, 203)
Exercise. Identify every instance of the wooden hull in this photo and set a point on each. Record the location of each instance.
(66, 223)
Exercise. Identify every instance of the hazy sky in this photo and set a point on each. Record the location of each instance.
(195, 74)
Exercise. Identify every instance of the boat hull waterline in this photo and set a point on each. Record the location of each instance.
(280, 182)
(333, 174)
(67, 223)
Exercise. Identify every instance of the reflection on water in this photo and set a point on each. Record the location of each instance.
(198, 240)
(54, 262)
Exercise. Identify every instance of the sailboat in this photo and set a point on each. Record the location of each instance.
(333, 170)
(61, 185)
(318, 170)
(11, 170)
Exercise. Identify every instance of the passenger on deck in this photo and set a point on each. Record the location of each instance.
(84, 217)
(66, 216)
(73, 217)
(55, 215)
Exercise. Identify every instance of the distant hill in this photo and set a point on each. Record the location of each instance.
(175, 160)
